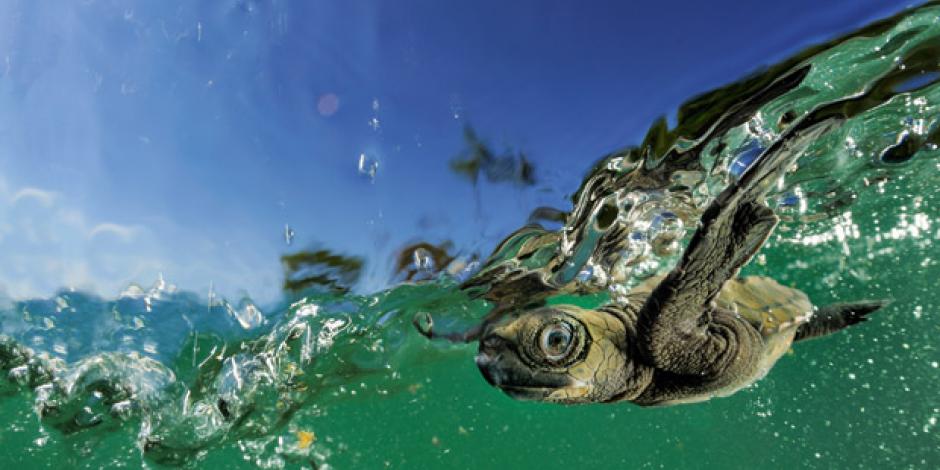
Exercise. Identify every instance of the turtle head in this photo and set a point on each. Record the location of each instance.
(560, 354)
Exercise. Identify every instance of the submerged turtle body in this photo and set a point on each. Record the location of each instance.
(695, 333)
(766, 304)
(567, 354)
(775, 311)
(771, 307)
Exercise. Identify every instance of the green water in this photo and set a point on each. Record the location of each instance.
(344, 381)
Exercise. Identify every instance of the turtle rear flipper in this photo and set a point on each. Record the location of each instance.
(832, 318)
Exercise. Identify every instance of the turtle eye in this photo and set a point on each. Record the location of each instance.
(556, 340)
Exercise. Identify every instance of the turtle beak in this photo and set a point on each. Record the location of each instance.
(490, 358)
(502, 368)
(501, 373)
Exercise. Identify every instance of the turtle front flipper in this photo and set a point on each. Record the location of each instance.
(681, 330)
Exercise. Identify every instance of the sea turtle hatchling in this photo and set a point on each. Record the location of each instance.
(696, 333)
(568, 354)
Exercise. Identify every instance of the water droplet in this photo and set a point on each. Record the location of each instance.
(456, 109)
(308, 310)
(133, 291)
(423, 260)
(248, 315)
(288, 234)
(330, 329)
(368, 166)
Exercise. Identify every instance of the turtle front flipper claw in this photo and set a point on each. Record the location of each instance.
(426, 329)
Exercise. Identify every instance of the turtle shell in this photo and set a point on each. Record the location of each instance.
(766, 304)
(762, 301)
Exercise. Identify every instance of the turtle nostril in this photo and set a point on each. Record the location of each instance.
(492, 342)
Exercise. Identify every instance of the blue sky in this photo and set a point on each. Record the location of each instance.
(139, 138)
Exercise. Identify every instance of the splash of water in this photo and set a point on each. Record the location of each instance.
(637, 205)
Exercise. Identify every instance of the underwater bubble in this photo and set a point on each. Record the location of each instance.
(637, 247)
(681, 180)
(588, 274)
(786, 118)
(745, 157)
(903, 150)
(792, 202)
(632, 199)
(664, 233)
(605, 216)
(788, 200)
(646, 269)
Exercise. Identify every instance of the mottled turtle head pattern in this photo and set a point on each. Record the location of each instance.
(560, 354)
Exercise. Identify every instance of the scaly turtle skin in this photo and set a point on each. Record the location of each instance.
(697, 333)
(567, 354)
